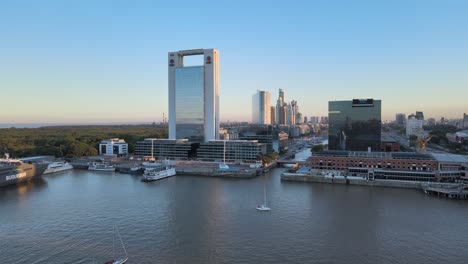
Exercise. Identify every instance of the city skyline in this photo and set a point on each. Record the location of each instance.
(57, 57)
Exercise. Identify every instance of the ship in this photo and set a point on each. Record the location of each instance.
(57, 166)
(156, 173)
(13, 171)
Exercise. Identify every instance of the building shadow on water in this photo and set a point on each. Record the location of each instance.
(23, 189)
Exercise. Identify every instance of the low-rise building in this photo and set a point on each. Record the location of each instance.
(406, 166)
(231, 150)
(457, 137)
(176, 149)
(113, 146)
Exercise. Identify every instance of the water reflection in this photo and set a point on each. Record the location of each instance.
(23, 189)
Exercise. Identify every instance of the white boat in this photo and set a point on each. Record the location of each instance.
(58, 166)
(121, 260)
(98, 166)
(157, 173)
(263, 207)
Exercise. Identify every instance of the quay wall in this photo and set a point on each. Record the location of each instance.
(295, 177)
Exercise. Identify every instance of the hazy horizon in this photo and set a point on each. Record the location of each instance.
(106, 61)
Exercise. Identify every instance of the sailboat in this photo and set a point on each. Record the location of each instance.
(263, 207)
(121, 260)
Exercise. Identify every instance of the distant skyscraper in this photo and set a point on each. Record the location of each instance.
(292, 111)
(314, 119)
(419, 115)
(273, 114)
(261, 108)
(465, 120)
(305, 119)
(354, 125)
(281, 109)
(194, 96)
(400, 119)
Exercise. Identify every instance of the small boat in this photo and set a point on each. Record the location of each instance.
(57, 166)
(121, 260)
(98, 166)
(157, 173)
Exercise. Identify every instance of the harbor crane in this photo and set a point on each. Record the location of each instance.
(421, 144)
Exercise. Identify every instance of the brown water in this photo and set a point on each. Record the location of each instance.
(68, 218)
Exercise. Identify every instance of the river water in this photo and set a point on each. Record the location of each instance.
(69, 218)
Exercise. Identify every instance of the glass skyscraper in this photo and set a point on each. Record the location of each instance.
(189, 100)
(354, 125)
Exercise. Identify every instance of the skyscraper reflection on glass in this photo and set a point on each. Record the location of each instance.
(354, 125)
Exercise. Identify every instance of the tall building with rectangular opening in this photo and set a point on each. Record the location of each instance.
(194, 96)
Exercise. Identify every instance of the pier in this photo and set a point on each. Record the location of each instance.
(449, 190)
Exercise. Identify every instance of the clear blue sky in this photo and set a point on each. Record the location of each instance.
(105, 61)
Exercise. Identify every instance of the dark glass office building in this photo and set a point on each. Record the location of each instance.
(354, 125)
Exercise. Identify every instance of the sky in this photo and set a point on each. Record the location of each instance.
(106, 61)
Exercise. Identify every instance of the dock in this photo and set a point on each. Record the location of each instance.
(449, 190)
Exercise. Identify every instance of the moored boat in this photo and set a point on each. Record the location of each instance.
(13, 171)
(57, 166)
(101, 166)
(157, 173)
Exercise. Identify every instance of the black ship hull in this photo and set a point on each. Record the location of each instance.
(21, 173)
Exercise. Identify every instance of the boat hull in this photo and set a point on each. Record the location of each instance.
(58, 169)
(21, 173)
(159, 175)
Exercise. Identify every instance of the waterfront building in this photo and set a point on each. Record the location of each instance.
(194, 96)
(406, 166)
(228, 133)
(414, 126)
(354, 125)
(113, 146)
(261, 133)
(231, 151)
(400, 119)
(261, 108)
(176, 149)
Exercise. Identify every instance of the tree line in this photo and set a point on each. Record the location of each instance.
(71, 141)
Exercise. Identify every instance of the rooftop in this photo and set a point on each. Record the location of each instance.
(450, 158)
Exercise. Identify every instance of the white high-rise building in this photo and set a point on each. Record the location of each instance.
(414, 126)
(194, 96)
(261, 108)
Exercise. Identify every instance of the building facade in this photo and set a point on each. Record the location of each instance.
(354, 125)
(414, 126)
(194, 96)
(113, 146)
(175, 149)
(231, 151)
(273, 115)
(400, 119)
(281, 109)
(407, 166)
(465, 121)
(261, 108)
